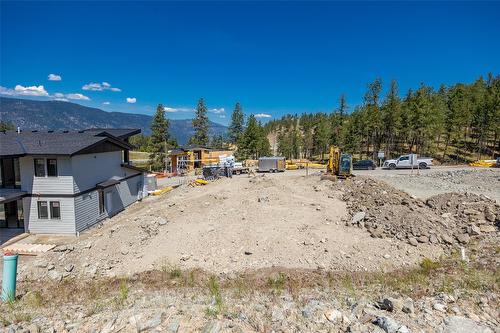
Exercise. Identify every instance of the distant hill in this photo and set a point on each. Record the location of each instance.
(58, 115)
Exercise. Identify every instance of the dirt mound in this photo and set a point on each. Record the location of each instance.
(443, 219)
(466, 207)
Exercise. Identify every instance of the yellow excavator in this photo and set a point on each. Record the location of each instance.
(339, 164)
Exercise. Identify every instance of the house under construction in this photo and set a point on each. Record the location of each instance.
(190, 157)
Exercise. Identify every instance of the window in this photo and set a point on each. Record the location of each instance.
(55, 210)
(39, 167)
(43, 212)
(404, 158)
(17, 173)
(101, 202)
(51, 167)
(3, 221)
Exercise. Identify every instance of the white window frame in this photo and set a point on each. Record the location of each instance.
(49, 210)
(45, 167)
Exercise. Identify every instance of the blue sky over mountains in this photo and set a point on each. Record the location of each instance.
(273, 57)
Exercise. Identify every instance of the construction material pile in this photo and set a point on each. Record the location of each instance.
(445, 219)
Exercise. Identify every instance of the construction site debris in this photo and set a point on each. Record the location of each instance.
(442, 219)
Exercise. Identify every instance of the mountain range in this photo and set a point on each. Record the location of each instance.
(60, 115)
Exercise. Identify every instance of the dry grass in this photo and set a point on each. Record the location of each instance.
(428, 279)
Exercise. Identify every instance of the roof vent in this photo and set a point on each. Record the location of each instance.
(51, 131)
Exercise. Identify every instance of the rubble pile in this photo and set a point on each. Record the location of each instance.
(446, 219)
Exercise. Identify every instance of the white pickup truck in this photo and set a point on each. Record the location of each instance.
(404, 162)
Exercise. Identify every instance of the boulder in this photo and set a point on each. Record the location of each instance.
(358, 217)
(463, 238)
(457, 324)
(408, 306)
(487, 228)
(413, 241)
(489, 215)
(54, 275)
(423, 239)
(447, 239)
(389, 325)
(333, 316)
(211, 327)
(386, 304)
(474, 230)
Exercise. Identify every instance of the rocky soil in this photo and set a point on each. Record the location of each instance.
(131, 306)
(231, 226)
(446, 219)
(273, 253)
(439, 180)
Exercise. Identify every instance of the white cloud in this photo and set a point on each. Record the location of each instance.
(173, 110)
(40, 91)
(168, 109)
(217, 111)
(65, 97)
(77, 96)
(262, 115)
(100, 87)
(60, 97)
(20, 90)
(131, 100)
(54, 77)
(106, 103)
(222, 116)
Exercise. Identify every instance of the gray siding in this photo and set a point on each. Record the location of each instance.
(90, 169)
(62, 184)
(77, 174)
(65, 225)
(87, 211)
(116, 199)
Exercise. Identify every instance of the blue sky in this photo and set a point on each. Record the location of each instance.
(273, 57)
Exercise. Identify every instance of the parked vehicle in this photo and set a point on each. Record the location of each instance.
(364, 165)
(271, 164)
(238, 168)
(405, 162)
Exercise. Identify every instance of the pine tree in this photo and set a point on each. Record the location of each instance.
(253, 143)
(321, 136)
(237, 125)
(338, 118)
(159, 139)
(218, 142)
(200, 124)
(390, 114)
(6, 126)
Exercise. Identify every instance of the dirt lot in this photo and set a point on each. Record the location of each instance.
(441, 179)
(232, 225)
(276, 252)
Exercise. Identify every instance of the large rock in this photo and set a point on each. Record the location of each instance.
(211, 327)
(358, 217)
(333, 316)
(457, 324)
(463, 238)
(54, 275)
(389, 325)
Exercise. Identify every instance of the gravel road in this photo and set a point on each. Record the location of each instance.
(441, 179)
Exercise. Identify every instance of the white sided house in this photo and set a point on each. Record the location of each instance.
(63, 182)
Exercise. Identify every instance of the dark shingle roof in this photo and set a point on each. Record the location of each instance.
(55, 142)
(121, 133)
